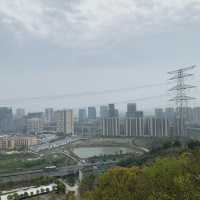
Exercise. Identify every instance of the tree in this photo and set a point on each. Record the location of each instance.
(87, 184)
(177, 143)
(10, 197)
(60, 187)
(70, 196)
(118, 183)
(193, 144)
(169, 178)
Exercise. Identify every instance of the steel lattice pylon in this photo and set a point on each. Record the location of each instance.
(181, 98)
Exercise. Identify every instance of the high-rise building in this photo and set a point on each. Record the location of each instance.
(49, 113)
(35, 115)
(92, 114)
(134, 127)
(189, 116)
(103, 111)
(116, 113)
(111, 110)
(6, 119)
(35, 125)
(64, 121)
(69, 122)
(139, 114)
(111, 127)
(20, 113)
(131, 110)
(159, 113)
(156, 127)
(20, 125)
(82, 115)
(170, 114)
(89, 128)
(196, 115)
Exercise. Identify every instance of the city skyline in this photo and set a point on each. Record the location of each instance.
(100, 99)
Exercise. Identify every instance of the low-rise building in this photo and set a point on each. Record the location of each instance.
(4, 145)
(24, 141)
(28, 192)
(17, 142)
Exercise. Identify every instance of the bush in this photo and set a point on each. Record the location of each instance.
(193, 144)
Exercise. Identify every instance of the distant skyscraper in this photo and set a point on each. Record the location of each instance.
(64, 121)
(170, 114)
(20, 125)
(20, 121)
(156, 127)
(116, 113)
(196, 115)
(82, 115)
(35, 115)
(49, 114)
(6, 119)
(159, 113)
(111, 110)
(69, 122)
(131, 110)
(35, 125)
(134, 127)
(188, 112)
(139, 114)
(111, 127)
(92, 114)
(20, 113)
(103, 111)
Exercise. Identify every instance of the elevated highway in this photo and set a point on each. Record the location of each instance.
(57, 172)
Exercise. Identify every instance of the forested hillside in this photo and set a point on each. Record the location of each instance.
(174, 176)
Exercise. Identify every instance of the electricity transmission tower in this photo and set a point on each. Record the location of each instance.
(181, 98)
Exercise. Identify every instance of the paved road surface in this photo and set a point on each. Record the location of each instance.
(58, 172)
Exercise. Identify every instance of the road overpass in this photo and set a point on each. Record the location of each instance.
(57, 172)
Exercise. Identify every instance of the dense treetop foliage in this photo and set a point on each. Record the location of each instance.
(169, 178)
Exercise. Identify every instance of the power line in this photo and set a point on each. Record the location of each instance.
(81, 94)
(127, 101)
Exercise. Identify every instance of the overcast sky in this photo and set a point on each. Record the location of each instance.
(55, 47)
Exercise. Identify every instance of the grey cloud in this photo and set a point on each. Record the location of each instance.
(92, 22)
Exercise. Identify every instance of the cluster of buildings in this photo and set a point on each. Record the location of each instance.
(17, 142)
(60, 121)
(134, 124)
(107, 121)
